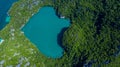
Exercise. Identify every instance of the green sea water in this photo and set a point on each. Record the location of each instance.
(44, 29)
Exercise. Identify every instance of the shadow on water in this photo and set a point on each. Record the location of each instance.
(60, 36)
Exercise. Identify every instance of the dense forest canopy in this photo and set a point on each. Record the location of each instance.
(94, 36)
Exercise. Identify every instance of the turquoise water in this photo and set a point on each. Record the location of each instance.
(7, 19)
(0, 39)
(44, 29)
(4, 7)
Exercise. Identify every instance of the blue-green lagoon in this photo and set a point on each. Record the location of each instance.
(43, 30)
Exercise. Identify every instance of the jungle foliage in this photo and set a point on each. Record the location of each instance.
(94, 34)
(93, 37)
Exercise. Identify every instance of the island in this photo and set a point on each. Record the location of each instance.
(92, 39)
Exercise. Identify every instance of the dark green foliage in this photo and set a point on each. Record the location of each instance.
(93, 37)
(94, 34)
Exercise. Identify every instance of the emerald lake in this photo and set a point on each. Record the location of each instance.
(45, 30)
